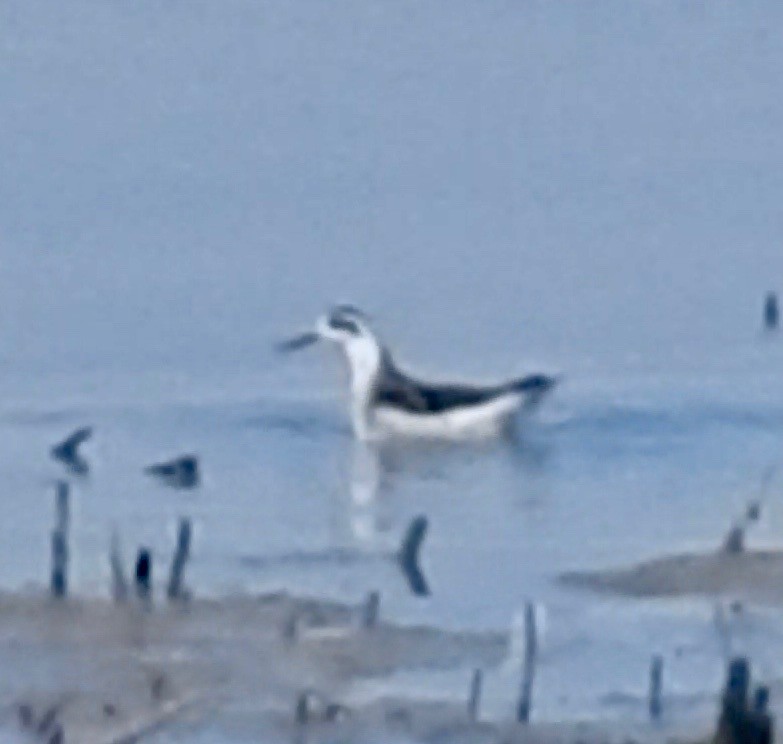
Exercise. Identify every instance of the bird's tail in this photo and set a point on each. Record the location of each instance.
(534, 388)
(538, 384)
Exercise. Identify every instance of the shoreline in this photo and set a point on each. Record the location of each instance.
(752, 576)
(120, 672)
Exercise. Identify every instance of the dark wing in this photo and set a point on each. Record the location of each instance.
(443, 397)
(397, 389)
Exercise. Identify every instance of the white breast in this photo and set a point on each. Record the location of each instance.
(364, 359)
(486, 420)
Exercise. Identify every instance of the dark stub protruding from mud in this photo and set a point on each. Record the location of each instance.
(175, 589)
(119, 584)
(143, 574)
(301, 710)
(157, 687)
(67, 451)
(734, 542)
(739, 722)
(48, 720)
(48, 728)
(525, 703)
(24, 712)
(313, 707)
(474, 698)
(761, 699)
(655, 702)
(409, 553)
(59, 577)
(371, 610)
(182, 472)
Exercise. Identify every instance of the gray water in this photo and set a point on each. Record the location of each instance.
(586, 188)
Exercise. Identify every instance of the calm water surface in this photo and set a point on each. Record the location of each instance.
(506, 188)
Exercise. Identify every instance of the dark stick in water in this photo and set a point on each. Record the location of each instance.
(656, 687)
(474, 701)
(119, 584)
(371, 610)
(143, 574)
(771, 311)
(59, 580)
(409, 556)
(174, 590)
(529, 664)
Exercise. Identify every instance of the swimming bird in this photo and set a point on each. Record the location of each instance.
(67, 451)
(387, 402)
(182, 472)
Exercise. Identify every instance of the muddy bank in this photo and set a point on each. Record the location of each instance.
(106, 672)
(434, 722)
(272, 668)
(754, 576)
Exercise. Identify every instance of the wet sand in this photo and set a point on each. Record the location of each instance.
(105, 673)
(753, 576)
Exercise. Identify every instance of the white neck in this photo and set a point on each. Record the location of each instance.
(364, 359)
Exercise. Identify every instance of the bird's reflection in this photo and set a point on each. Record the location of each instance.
(368, 523)
(375, 469)
(368, 541)
(363, 515)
